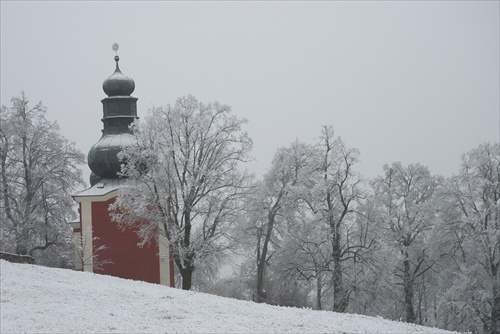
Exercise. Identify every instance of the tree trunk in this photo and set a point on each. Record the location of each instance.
(495, 308)
(187, 278)
(261, 261)
(408, 290)
(260, 280)
(318, 291)
(339, 293)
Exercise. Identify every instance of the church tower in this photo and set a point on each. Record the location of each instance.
(105, 248)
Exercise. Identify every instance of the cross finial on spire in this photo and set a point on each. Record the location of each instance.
(115, 48)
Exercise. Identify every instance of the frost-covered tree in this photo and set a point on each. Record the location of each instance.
(39, 171)
(333, 200)
(303, 215)
(407, 217)
(186, 180)
(273, 204)
(473, 226)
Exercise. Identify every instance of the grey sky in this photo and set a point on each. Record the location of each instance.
(400, 81)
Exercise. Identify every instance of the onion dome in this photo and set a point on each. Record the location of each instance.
(118, 84)
(103, 156)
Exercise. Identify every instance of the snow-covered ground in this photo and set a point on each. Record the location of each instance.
(45, 300)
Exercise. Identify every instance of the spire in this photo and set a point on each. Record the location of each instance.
(117, 59)
(119, 111)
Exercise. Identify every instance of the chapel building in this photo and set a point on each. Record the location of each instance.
(106, 248)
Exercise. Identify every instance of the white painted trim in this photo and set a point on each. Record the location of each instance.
(77, 238)
(86, 217)
(164, 257)
(100, 198)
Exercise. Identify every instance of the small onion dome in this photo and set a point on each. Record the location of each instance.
(118, 84)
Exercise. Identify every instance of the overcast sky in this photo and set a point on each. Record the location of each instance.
(401, 81)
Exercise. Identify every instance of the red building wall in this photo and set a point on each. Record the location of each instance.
(129, 260)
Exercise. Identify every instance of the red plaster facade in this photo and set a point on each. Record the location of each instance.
(152, 263)
(128, 259)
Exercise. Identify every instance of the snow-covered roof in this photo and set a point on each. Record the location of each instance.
(103, 187)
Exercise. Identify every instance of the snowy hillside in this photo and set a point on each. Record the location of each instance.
(40, 299)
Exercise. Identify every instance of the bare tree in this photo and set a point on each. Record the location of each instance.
(93, 258)
(186, 180)
(39, 170)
